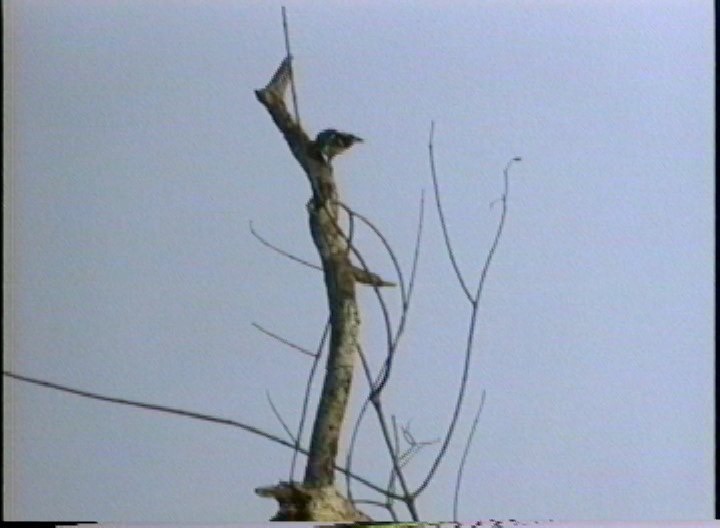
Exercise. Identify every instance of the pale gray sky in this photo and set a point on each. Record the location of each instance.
(137, 155)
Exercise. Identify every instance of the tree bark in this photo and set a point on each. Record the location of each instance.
(339, 276)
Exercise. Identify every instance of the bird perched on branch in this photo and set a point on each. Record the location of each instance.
(330, 143)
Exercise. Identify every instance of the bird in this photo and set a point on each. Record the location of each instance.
(331, 142)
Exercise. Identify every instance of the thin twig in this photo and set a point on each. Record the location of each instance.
(356, 426)
(383, 309)
(414, 446)
(187, 414)
(284, 341)
(279, 417)
(498, 233)
(396, 439)
(408, 498)
(292, 76)
(281, 251)
(306, 398)
(364, 266)
(374, 397)
(352, 213)
(471, 335)
(369, 377)
(446, 236)
(352, 444)
(464, 456)
(416, 252)
(384, 374)
(365, 365)
(405, 292)
(351, 230)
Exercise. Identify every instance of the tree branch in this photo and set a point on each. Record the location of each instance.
(284, 341)
(184, 413)
(458, 480)
(306, 397)
(475, 302)
(281, 251)
(339, 283)
(446, 237)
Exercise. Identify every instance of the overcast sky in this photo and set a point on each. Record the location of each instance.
(137, 155)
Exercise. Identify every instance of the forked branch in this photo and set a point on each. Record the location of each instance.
(474, 302)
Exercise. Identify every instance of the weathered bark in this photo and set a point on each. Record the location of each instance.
(317, 496)
(300, 503)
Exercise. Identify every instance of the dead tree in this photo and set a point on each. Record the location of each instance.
(317, 498)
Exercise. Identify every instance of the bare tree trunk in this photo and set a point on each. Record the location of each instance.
(317, 499)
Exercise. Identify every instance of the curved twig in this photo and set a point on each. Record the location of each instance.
(408, 498)
(306, 398)
(384, 375)
(363, 359)
(474, 301)
(351, 446)
(352, 213)
(351, 230)
(416, 252)
(382, 378)
(446, 236)
(405, 292)
(364, 266)
(498, 233)
(378, 293)
(464, 456)
(388, 326)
